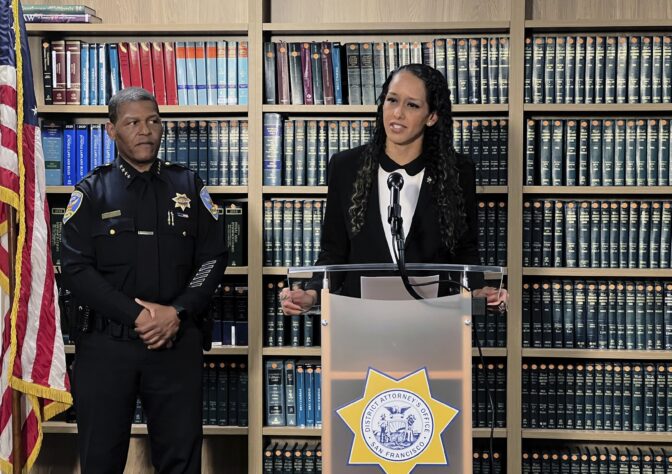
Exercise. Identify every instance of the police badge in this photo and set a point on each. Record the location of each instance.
(182, 201)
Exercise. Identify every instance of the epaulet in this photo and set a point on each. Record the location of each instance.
(100, 168)
(175, 166)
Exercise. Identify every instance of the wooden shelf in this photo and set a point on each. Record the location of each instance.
(599, 272)
(485, 433)
(605, 191)
(588, 25)
(236, 271)
(286, 351)
(371, 109)
(141, 429)
(490, 351)
(294, 190)
(164, 109)
(593, 108)
(598, 435)
(596, 354)
(384, 28)
(492, 189)
(113, 29)
(291, 431)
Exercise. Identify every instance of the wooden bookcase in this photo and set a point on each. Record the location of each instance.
(239, 450)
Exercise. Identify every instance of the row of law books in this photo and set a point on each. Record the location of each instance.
(610, 396)
(228, 312)
(292, 231)
(292, 457)
(282, 330)
(489, 328)
(476, 69)
(597, 233)
(612, 459)
(225, 392)
(297, 151)
(76, 72)
(293, 393)
(216, 149)
(598, 69)
(598, 152)
(492, 378)
(38, 13)
(598, 314)
(485, 461)
(487, 143)
(492, 232)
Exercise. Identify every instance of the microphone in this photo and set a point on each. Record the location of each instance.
(394, 183)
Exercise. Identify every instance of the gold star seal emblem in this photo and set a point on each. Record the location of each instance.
(397, 424)
(181, 201)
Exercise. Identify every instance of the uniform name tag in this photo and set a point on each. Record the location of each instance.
(110, 215)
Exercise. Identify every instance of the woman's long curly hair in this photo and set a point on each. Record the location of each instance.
(438, 150)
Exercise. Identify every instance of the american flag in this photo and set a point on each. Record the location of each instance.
(33, 357)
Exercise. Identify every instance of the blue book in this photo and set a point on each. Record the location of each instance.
(182, 147)
(232, 73)
(84, 73)
(336, 51)
(96, 145)
(223, 142)
(103, 86)
(190, 55)
(181, 70)
(243, 81)
(222, 92)
(81, 151)
(318, 396)
(52, 146)
(211, 71)
(213, 153)
(170, 137)
(109, 149)
(309, 387)
(115, 76)
(201, 74)
(93, 73)
(273, 126)
(300, 396)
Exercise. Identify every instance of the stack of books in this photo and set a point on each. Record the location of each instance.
(59, 14)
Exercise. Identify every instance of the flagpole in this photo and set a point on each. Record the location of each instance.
(17, 448)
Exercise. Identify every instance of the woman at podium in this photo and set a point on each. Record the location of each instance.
(413, 137)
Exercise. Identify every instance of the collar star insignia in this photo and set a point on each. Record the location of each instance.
(181, 201)
(397, 424)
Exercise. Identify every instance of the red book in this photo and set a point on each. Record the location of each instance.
(159, 75)
(73, 92)
(146, 68)
(135, 64)
(327, 74)
(60, 71)
(124, 66)
(170, 74)
(307, 74)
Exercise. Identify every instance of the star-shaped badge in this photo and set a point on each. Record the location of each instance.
(181, 201)
(397, 424)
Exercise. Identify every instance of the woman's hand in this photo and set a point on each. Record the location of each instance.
(297, 301)
(494, 296)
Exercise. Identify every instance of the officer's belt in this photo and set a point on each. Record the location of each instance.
(115, 329)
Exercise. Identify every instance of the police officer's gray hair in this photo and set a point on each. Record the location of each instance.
(130, 94)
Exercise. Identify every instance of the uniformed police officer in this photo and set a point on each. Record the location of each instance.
(143, 248)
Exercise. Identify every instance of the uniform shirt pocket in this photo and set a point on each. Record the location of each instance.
(115, 241)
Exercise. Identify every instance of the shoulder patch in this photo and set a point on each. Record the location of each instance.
(73, 205)
(207, 202)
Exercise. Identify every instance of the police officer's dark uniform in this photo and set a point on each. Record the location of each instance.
(153, 236)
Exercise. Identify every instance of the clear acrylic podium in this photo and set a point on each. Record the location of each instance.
(396, 382)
